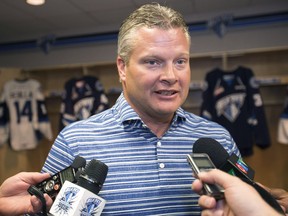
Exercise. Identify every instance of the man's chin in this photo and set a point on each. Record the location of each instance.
(166, 113)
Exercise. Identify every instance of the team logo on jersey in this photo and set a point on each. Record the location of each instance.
(67, 200)
(82, 108)
(230, 106)
(99, 86)
(91, 207)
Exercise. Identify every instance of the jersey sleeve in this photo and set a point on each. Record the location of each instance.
(282, 133)
(207, 109)
(257, 118)
(43, 123)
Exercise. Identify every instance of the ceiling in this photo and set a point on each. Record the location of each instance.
(66, 18)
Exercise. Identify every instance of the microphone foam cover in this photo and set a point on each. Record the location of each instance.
(97, 170)
(93, 177)
(213, 149)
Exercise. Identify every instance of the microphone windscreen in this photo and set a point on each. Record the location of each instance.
(93, 176)
(97, 170)
(213, 149)
(78, 162)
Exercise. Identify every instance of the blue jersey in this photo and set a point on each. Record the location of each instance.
(233, 100)
(83, 97)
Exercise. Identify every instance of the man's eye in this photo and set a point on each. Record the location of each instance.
(181, 61)
(151, 62)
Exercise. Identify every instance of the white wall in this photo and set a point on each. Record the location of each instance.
(240, 39)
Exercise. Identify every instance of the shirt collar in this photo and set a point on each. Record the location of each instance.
(126, 114)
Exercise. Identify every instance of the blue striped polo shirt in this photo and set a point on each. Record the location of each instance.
(147, 175)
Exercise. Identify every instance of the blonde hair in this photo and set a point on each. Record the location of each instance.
(151, 16)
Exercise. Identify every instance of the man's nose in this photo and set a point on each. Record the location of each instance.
(169, 73)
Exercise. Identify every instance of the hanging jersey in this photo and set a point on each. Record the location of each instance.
(83, 97)
(23, 115)
(233, 100)
(282, 135)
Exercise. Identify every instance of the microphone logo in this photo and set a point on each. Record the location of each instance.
(66, 200)
(242, 166)
(91, 207)
(75, 200)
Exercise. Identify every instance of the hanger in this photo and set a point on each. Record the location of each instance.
(23, 76)
(224, 61)
(85, 71)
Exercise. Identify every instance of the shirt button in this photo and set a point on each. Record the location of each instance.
(159, 144)
(161, 165)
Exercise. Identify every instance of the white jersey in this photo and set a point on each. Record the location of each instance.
(23, 115)
(282, 135)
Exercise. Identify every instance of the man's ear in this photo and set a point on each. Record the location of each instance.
(121, 69)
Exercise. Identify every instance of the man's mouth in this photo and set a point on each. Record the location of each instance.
(166, 92)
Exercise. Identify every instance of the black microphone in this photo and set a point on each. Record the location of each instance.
(93, 176)
(222, 160)
(233, 165)
(81, 198)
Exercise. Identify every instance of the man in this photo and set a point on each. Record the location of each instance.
(145, 137)
(240, 198)
(14, 198)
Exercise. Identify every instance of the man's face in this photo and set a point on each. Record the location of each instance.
(156, 80)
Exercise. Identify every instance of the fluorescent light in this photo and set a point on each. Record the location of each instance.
(35, 2)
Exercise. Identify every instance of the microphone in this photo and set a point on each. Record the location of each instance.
(234, 166)
(222, 160)
(81, 198)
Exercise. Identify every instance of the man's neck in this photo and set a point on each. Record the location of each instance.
(158, 127)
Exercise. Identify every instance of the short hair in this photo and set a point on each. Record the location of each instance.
(152, 16)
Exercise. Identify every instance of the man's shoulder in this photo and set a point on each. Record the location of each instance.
(102, 119)
(194, 121)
